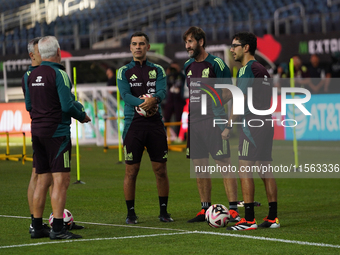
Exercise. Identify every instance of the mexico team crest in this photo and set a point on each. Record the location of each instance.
(152, 74)
(205, 73)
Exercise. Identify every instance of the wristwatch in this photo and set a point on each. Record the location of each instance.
(228, 127)
(158, 99)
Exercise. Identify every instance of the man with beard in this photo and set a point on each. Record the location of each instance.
(255, 142)
(203, 138)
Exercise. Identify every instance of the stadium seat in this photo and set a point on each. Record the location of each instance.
(314, 24)
(222, 32)
(336, 22)
(296, 26)
(259, 29)
(210, 15)
(161, 36)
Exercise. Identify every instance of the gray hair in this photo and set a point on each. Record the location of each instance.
(48, 47)
(31, 44)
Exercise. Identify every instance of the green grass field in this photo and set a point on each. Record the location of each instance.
(308, 209)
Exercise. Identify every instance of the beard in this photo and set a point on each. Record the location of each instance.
(196, 52)
(237, 58)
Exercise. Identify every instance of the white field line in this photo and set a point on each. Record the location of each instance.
(94, 239)
(307, 148)
(270, 239)
(102, 224)
(181, 232)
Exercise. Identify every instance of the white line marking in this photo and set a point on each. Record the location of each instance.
(102, 224)
(165, 234)
(94, 239)
(17, 217)
(270, 239)
(307, 148)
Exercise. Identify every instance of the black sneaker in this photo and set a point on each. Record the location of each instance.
(244, 225)
(63, 234)
(74, 226)
(165, 218)
(45, 226)
(270, 223)
(199, 217)
(234, 216)
(40, 233)
(131, 219)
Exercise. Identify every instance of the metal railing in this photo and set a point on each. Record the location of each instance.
(278, 20)
(143, 19)
(38, 12)
(131, 20)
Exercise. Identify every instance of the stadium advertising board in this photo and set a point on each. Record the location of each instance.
(14, 118)
(322, 124)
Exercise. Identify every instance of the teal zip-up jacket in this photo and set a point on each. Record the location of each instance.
(49, 100)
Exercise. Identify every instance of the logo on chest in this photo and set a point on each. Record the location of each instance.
(133, 77)
(205, 73)
(152, 74)
(135, 84)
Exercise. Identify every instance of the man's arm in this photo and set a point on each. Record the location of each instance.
(125, 90)
(327, 81)
(160, 94)
(66, 98)
(232, 119)
(222, 71)
(24, 85)
(226, 95)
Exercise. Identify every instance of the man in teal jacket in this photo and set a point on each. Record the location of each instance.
(51, 105)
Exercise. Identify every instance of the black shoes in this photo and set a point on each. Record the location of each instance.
(63, 234)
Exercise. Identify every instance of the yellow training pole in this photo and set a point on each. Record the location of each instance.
(77, 143)
(120, 149)
(292, 85)
(7, 144)
(23, 148)
(235, 70)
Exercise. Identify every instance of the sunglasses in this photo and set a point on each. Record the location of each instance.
(233, 46)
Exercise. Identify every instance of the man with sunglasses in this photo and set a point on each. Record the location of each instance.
(255, 142)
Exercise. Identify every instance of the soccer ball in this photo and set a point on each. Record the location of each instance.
(67, 216)
(217, 216)
(143, 113)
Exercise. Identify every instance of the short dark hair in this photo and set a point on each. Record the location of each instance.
(247, 38)
(110, 68)
(32, 43)
(197, 33)
(139, 33)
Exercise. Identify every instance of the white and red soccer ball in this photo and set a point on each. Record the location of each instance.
(140, 111)
(217, 216)
(67, 216)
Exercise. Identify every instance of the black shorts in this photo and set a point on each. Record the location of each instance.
(34, 159)
(256, 143)
(203, 139)
(52, 154)
(154, 140)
